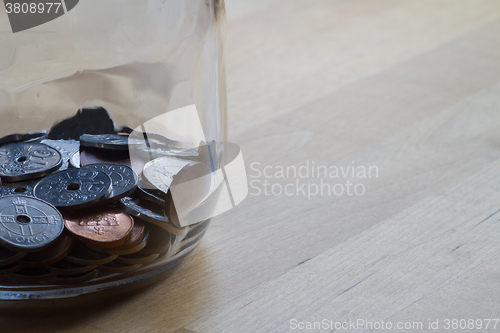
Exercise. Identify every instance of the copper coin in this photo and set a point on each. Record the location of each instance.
(135, 238)
(131, 250)
(103, 227)
(54, 253)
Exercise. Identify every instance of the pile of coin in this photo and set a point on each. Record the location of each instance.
(73, 210)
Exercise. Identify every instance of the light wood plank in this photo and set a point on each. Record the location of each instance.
(291, 54)
(383, 270)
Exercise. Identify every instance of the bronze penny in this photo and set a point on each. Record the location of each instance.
(103, 227)
(54, 253)
(132, 250)
(135, 238)
(128, 251)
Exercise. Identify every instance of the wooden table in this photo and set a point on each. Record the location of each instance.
(409, 88)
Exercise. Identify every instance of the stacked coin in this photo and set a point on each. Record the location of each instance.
(74, 210)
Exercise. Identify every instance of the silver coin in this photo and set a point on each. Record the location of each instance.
(123, 178)
(74, 160)
(146, 191)
(24, 161)
(141, 209)
(74, 188)
(160, 172)
(108, 141)
(66, 147)
(18, 188)
(149, 153)
(28, 224)
(31, 137)
(151, 195)
(157, 140)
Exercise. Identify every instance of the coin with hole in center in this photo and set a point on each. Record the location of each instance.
(24, 161)
(74, 188)
(103, 227)
(66, 148)
(28, 224)
(123, 178)
(18, 188)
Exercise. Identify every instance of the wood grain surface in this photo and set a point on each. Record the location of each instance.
(411, 88)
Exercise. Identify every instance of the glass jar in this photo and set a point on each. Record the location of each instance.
(151, 70)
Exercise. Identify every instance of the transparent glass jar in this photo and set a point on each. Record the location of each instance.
(156, 67)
